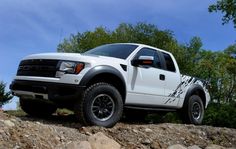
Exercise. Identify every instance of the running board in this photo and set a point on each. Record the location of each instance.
(151, 108)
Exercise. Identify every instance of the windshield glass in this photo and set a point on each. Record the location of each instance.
(121, 51)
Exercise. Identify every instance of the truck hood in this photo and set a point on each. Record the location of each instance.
(77, 57)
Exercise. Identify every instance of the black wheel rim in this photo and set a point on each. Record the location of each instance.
(103, 107)
(196, 110)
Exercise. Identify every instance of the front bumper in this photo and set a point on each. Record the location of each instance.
(58, 93)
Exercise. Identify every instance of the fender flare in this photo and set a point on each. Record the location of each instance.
(100, 70)
(193, 88)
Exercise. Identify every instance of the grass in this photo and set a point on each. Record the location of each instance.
(17, 113)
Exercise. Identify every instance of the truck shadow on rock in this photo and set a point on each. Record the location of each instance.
(70, 120)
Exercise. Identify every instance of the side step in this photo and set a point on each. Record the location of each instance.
(150, 108)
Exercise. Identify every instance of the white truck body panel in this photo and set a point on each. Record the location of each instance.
(142, 84)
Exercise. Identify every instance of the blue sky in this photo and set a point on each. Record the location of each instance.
(29, 26)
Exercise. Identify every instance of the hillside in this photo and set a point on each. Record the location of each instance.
(64, 132)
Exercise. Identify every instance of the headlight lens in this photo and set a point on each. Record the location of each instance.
(70, 67)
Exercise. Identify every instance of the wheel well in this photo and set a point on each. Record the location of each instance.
(201, 94)
(111, 79)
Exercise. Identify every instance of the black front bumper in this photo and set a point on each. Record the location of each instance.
(58, 93)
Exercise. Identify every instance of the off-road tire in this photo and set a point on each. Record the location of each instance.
(193, 111)
(37, 108)
(88, 109)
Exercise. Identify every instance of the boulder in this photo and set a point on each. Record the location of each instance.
(78, 145)
(194, 147)
(176, 146)
(9, 123)
(213, 146)
(101, 141)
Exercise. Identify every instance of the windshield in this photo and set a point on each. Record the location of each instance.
(121, 51)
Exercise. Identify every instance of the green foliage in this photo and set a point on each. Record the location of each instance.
(221, 115)
(188, 54)
(64, 112)
(70, 45)
(19, 112)
(4, 96)
(169, 117)
(227, 7)
(139, 33)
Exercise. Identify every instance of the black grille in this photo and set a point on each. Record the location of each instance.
(38, 67)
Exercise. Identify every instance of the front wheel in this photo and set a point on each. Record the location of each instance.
(100, 105)
(193, 111)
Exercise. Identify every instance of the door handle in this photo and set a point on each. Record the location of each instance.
(162, 77)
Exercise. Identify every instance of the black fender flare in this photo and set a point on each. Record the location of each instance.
(103, 69)
(191, 90)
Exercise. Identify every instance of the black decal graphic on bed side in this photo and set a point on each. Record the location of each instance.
(182, 87)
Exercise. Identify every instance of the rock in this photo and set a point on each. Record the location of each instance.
(84, 145)
(101, 141)
(213, 146)
(72, 145)
(85, 131)
(38, 123)
(148, 130)
(78, 145)
(194, 147)
(30, 132)
(134, 130)
(146, 142)
(155, 145)
(176, 146)
(9, 123)
(16, 147)
(88, 133)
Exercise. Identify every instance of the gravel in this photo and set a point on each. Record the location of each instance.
(28, 132)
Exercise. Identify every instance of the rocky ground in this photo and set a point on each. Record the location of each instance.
(63, 132)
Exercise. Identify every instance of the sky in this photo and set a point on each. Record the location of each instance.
(29, 26)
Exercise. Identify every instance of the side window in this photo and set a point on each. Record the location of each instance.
(150, 52)
(169, 62)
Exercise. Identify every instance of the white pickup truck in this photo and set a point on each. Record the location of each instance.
(102, 82)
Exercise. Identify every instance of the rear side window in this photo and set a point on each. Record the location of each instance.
(169, 62)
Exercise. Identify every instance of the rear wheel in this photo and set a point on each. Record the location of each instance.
(193, 111)
(100, 105)
(37, 108)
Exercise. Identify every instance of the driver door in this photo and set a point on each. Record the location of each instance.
(146, 84)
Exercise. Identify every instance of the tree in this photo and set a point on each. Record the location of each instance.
(227, 7)
(139, 33)
(4, 96)
(231, 71)
(70, 45)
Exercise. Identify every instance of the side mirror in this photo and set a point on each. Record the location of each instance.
(143, 61)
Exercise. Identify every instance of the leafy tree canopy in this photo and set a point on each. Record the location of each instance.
(228, 8)
(4, 96)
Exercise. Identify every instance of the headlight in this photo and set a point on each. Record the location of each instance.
(69, 67)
